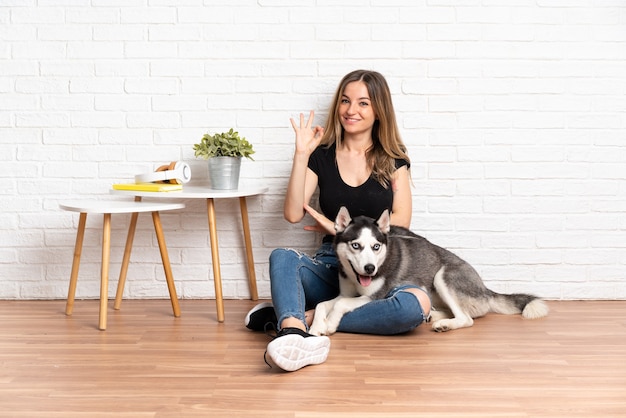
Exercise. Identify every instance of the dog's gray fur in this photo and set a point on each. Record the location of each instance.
(376, 257)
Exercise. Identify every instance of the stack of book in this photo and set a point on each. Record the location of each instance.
(148, 187)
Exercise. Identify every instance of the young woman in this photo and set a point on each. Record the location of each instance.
(359, 161)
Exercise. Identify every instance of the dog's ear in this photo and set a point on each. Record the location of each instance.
(384, 222)
(343, 219)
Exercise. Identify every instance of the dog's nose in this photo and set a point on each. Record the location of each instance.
(370, 268)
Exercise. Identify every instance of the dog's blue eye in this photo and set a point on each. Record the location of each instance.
(356, 245)
(376, 247)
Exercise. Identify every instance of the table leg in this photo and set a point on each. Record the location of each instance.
(78, 248)
(165, 258)
(254, 295)
(125, 260)
(215, 257)
(104, 277)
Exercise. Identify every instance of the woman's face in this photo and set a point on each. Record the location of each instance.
(356, 112)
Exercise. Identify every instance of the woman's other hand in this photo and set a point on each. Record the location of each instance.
(323, 224)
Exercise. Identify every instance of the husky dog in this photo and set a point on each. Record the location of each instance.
(375, 257)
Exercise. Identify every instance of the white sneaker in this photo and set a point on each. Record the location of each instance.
(293, 349)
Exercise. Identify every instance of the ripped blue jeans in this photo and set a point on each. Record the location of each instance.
(299, 282)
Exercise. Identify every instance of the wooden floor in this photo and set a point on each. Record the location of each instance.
(150, 364)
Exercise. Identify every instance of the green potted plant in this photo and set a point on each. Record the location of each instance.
(223, 152)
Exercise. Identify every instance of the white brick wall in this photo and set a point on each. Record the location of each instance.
(514, 112)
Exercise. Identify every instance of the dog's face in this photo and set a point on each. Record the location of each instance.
(361, 245)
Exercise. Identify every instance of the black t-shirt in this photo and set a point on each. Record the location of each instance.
(369, 199)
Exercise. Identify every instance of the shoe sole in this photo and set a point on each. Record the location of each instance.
(293, 352)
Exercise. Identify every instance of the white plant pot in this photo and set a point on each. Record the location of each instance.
(224, 172)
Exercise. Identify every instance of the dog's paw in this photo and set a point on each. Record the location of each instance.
(325, 329)
(442, 325)
(449, 324)
(332, 322)
(331, 329)
(318, 328)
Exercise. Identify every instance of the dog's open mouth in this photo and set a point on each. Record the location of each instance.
(364, 280)
(361, 278)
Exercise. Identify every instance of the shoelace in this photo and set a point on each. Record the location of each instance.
(268, 328)
(265, 359)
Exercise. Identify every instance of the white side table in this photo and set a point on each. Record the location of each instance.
(106, 208)
(196, 192)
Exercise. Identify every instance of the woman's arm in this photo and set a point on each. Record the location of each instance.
(402, 200)
(302, 181)
(302, 185)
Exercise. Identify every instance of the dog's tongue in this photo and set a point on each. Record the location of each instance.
(365, 280)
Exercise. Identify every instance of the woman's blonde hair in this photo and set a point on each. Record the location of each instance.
(387, 143)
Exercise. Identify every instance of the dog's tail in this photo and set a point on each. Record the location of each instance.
(531, 307)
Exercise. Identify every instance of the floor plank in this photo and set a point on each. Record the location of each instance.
(150, 364)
